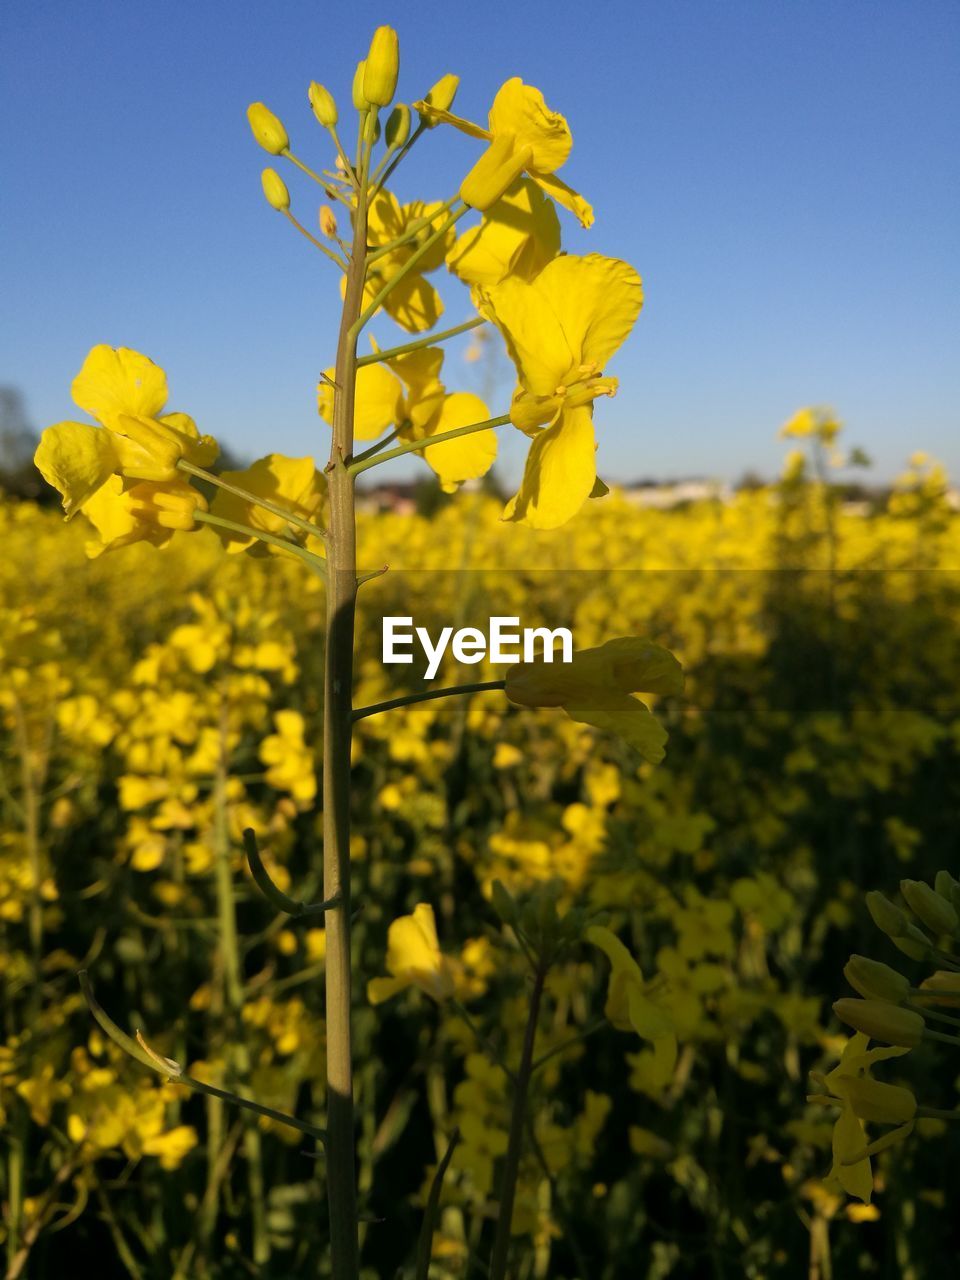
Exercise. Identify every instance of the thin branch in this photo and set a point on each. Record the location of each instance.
(218, 522)
(275, 508)
(376, 356)
(272, 893)
(428, 695)
(416, 446)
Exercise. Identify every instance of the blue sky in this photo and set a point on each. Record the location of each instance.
(783, 173)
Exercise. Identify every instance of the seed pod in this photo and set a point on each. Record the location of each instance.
(275, 189)
(323, 103)
(382, 67)
(267, 129)
(397, 130)
(887, 1023)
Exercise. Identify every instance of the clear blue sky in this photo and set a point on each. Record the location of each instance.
(784, 173)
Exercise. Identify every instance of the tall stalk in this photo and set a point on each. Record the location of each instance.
(337, 734)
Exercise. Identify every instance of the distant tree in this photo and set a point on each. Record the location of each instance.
(18, 442)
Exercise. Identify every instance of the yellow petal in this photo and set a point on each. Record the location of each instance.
(624, 716)
(115, 380)
(518, 236)
(420, 373)
(414, 303)
(519, 109)
(379, 400)
(198, 449)
(412, 942)
(380, 989)
(288, 482)
(849, 1138)
(559, 473)
(470, 456)
(76, 459)
(595, 299)
(438, 116)
(113, 514)
(564, 195)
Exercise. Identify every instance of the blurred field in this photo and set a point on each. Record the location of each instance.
(156, 703)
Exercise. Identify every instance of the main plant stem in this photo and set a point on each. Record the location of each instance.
(337, 733)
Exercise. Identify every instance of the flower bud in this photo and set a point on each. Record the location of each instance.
(888, 918)
(275, 189)
(877, 1102)
(382, 67)
(929, 907)
(328, 222)
(359, 101)
(267, 129)
(499, 166)
(398, 126)
(914, 950)
(371, 127)
(876, 981)
(887, 1023)
(441, 96)
(324, 106)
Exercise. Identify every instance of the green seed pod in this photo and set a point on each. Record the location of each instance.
(887, 1023)
(267, 129)
(382, 67)
(876, 981)
(929, 907)
(275, 189)
(324, 105)
(398, 126)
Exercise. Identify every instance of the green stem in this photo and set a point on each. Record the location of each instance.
(511, 1169)
(927, 1012)
(348, 167)
(418, 131)
(378, 447)
(363, 462)
(275, 896)
(275, 508)
(305, 168)
(337, 735)
(568, 1044)
(315, 562)
(376, 356)
(317, 244)
(418, 254)
(428, 695)
(425, 1243)
(935, 1113)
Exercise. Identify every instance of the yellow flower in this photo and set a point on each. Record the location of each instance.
(406, 394)
(863, 1099)
(560, 329)
(414, 959)
(414, 303)
(516, 237)
(628, 1006)
(172, 1145)
(290, 764)
(146, 512)
(520, 114)
(595, 688)
(292, 483)
(126, 393)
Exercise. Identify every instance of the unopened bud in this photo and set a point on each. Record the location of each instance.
(359, 101)
(441, 96)
(382, 67)
(267, 129)
(497, 169)
(328, 222)
(324, 106)
(371, 127)
(948, 888)
(275, 189)
(887, 1023)
(929, 907)
(876, 981)
(398, 126)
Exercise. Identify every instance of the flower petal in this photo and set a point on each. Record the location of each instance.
(519, 109)
(76, 459)
(470, 456)
(624, 716)
(116, 380)
(559, 474)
